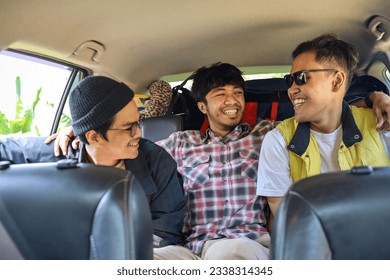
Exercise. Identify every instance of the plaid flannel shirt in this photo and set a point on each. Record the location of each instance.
(219, 176)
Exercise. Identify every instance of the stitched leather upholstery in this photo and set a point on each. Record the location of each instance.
(158, 128)
(85, 212)
(335, 216)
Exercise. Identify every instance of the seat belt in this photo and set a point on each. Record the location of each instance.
(8, 249)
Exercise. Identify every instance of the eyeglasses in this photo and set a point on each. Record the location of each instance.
(299, 77)
(132, 128)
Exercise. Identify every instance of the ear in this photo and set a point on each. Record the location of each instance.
(202, 107)
(339, 81)
(92, 136)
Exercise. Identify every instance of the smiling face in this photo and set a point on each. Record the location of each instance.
(224, 108)
(119, 143)
(319, 100)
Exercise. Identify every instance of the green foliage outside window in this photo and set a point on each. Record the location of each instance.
(24, 115)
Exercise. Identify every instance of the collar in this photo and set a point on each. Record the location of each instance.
(351, 133)
(241, 130)
(138, 166)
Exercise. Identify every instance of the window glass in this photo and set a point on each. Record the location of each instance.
(31, 89)
(65, 119)
(387, 75)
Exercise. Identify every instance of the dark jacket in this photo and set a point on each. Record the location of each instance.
(154, 168)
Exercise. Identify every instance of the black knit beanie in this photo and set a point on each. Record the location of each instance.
(95, 101)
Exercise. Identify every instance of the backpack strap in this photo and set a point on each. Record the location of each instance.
(177, 93)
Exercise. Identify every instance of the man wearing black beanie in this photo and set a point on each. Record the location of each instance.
(106, 120)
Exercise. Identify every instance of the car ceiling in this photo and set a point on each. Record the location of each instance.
(144, 40)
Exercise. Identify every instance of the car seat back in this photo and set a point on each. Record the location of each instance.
(335, 216)
(157, 128)
(74, 211)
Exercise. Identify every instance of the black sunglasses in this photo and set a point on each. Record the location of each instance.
(132, 128)
(299, 77)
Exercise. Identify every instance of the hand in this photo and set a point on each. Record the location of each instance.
(61, 141)
(381, 108)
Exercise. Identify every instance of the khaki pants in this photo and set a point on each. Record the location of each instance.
(241, 248)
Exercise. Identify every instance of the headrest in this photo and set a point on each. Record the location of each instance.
(266, 90)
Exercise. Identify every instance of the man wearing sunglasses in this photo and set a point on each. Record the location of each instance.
(106, 120)
(325, 134)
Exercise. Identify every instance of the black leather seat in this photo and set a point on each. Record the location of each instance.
(81, 212)
(335, 216)
(159, 128)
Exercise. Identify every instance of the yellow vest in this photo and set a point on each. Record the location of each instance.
(361, 144)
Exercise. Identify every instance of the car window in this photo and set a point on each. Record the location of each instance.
(32, 89)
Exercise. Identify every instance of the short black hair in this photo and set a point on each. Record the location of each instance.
(331, 50)
(218, 74)
(102, 130)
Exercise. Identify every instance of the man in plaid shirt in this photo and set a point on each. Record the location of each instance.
(224, 217)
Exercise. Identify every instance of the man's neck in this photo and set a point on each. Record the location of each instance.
(92, 156)
(329, 121)
(222, 132)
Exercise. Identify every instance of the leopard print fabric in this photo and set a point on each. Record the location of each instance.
(160, 98)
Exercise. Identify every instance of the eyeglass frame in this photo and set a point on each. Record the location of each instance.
(132, 129)
(290, 79)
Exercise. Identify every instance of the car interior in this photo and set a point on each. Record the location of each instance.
(324, 217)
(77, 212)
(138, 42)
